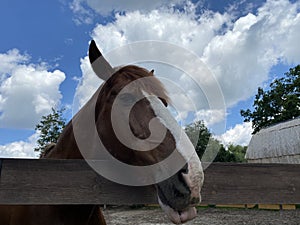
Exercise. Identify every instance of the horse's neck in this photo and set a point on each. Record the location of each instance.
(66, 147)
(80, 133)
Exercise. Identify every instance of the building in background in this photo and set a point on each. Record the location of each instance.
(276, 144)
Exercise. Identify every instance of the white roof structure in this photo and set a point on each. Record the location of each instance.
(276, 144)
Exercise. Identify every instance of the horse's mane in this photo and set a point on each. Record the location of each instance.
(47, 150)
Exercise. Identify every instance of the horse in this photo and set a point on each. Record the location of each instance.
(146, 104)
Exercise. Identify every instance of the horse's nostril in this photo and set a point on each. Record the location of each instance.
(185, 169)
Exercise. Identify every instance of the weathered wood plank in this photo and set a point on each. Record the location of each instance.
(63, 182)
(227, 183)
(74, 182)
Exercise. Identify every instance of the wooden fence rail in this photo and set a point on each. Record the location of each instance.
(40, 182)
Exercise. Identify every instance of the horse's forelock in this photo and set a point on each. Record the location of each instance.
(125, 75)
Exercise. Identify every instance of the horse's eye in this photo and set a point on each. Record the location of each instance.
(127, 98)
(164, 102)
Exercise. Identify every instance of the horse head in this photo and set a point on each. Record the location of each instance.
(136, 127)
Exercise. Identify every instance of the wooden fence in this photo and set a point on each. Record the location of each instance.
(54, 182)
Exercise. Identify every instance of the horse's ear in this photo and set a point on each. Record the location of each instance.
(152, 72)
(99, 64)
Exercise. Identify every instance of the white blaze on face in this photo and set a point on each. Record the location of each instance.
(195, 177)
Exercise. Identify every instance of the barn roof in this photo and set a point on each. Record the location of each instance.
(282, 139)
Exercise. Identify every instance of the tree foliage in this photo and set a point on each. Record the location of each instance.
(225, 155)
(203, 141)
(49, 128)
(199, 136)
(238, 151)
(280, 103)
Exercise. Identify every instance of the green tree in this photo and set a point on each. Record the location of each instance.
(211, 150)
(280, 103)
(239, 152)
(225, 155)
(199, 136)
(50, 127)
(202, 138)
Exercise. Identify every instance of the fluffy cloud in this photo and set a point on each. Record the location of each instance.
(27, 91)
(183, 29)
(88, 84)
(174, 27)
(211, 117)
(84, 9)
(244, 55)
(10, 60)
(240, 134)
(20, 149)
(83, 14)
(240, 51)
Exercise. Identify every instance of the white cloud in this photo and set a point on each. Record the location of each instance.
(211, 117)
(88, 84)
(183, 29)
(20, 149)
(10, 60)
(84, 9)
(108, 6)
(174, 27)
(27, 91)
(240, 51)
(83, 14)
(244, 55)
(240, 134)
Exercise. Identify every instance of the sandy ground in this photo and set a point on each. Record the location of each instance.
(206, 216)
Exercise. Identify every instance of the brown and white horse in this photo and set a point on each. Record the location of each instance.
(145, 101)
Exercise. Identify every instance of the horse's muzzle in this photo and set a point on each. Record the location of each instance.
(175, 191)
(179, 194)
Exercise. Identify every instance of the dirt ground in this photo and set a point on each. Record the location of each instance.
(206, 216)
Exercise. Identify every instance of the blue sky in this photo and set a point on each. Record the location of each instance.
(245, 43)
